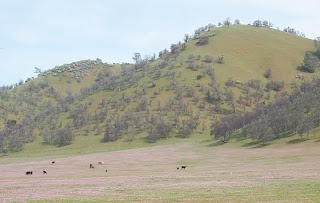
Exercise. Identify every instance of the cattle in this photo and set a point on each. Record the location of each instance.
(238, 82)
(29, 173)
(91, 166)
(183, 167)
(44, 172)
(106, 171)
(299, 76)
(100, 162)
(53, 162)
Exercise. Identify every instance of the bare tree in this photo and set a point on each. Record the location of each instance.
(227, 22)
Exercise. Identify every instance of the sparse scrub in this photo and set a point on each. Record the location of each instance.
(208, 58)
(268, 73)
(310, 63)
(203, 40)
(275, 85)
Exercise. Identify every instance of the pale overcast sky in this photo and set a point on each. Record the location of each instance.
(45, 33)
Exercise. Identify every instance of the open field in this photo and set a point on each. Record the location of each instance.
(227, 173)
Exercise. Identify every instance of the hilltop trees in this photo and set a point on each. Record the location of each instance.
(293, 31)
(175, 50)
(186, 38)
(257, 23)
(37, 70)
(227, 22)
(136, 57)
(260, 23)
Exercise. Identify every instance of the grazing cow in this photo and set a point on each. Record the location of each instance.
(299, 76)
(183, 167)
(91, 166)
(177, 168)
(106, 171)
(29, 173)
(100, 162)
(44, 172)
(53, 162)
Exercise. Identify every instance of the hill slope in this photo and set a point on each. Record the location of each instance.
(177, 95)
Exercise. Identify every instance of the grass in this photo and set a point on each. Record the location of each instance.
(227, 173)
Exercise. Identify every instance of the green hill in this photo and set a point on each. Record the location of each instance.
(92, 106)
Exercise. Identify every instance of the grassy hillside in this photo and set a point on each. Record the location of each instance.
(132, 103)
(249, 51)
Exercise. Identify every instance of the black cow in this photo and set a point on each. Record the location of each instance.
(91, 166)
(183, 167)
(177, 168)
(29, 173)
(53, 162)
(44, 172)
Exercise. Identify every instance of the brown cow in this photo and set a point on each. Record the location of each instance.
(91, 166)
(100, 162)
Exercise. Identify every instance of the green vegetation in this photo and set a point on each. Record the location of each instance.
(310, 63)
(216, 72)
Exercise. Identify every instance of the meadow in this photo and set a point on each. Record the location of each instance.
(285, 171)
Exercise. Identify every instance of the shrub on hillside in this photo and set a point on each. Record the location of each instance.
(254, 84)
(275, 85)
(61, 136)
(221, 130)
(310, 63)
(203, 40)
(159, 130)
(220, 59)
(317, 46)
(268, 73)
(188, 126)
(208, 58)
(15, 144)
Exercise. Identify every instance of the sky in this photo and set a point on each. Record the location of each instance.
(46, 33)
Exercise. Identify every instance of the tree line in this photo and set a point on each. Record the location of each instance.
(297, 112)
